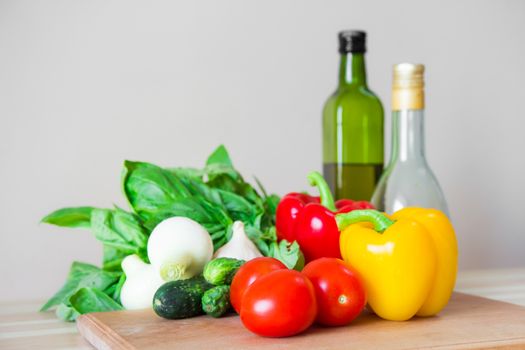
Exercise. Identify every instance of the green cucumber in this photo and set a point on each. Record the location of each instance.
(216, 301)
(221, 270)
(180, 299)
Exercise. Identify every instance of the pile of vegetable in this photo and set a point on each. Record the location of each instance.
(271, 299)
(204, 241)
(402, 264)
(214, 198)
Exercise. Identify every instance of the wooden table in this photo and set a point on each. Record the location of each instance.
(21, 327)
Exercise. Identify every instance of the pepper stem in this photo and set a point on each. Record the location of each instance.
(327, 200)
(379, 220)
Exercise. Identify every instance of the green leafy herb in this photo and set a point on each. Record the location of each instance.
(92, 300)
(66, 313)
(220, 156)
(70, 217)
(86, 300)
(120, 230)
(118, 288)
(112, 258)
(149, 188)
(288, 253)
(82, 275)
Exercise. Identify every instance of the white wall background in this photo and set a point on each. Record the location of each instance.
(87, 84)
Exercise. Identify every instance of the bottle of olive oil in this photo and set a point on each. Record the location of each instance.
(352, 126)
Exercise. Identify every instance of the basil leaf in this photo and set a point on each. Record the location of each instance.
(89, 299)
(270, 203)
(218, 213)
(256, 234)
(238, 208)
(112, 258)
(261, 239)
(118, 288)
(82, 275)
(66, 313)
(148, 188)
(239, 187)
(86, 300)
(261, 187)
(214, 171)
(219, 164)
(192, 173)
(219, 156)
(266, 241)
(270, 208)
(202, 191)
(119, 229)
(78, 217)
(199, 210)
(288, 253)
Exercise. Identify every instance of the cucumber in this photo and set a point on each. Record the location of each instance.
(216, 301)
(180, 299)
(221, 270)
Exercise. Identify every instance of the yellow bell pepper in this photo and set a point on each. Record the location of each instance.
(408, 261)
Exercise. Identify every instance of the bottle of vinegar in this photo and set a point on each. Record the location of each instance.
(352, 126)
(408, 180)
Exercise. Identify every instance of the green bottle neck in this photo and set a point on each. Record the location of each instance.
(352, 70)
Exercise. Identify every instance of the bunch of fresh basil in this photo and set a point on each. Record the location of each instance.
(215, 196)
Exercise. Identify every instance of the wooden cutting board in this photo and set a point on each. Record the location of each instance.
(468, 322)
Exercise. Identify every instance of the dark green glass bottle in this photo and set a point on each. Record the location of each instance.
(352, 126)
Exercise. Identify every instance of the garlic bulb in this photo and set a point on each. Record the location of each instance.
(239, 246)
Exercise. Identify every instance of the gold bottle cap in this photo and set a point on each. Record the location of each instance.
(408, 87)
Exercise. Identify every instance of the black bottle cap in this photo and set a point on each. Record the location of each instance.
(352, 41)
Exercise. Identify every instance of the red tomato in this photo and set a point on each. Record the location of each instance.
(339, 290)
(247, 274)
(279, 304)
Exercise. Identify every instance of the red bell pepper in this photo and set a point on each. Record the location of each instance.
(310, 220)
(286, 214)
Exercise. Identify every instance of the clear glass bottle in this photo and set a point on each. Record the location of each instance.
(352, 126)
(408, 180)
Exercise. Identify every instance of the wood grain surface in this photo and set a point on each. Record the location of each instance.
(468, 322)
